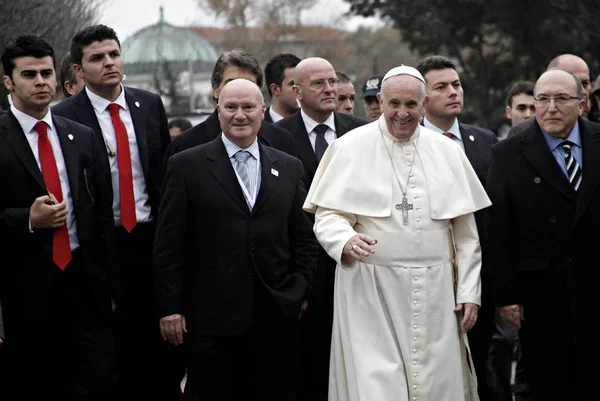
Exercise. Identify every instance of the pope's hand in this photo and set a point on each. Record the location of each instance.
(359, 247)
(172, 328)
(469, 319)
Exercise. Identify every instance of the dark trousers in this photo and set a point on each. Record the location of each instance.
(149, 367)
(67, 354)
(315, 334)
(259, 365)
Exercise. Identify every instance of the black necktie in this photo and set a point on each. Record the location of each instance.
(320, 143)
(574, 173)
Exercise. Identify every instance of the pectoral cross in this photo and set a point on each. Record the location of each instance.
(405, 207)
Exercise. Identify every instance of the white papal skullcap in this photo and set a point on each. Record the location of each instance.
(404, 70)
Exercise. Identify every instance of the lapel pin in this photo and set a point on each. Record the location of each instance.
(137, 104)
(537, 180)
(275, 172)
(70, 136)
(472, 138)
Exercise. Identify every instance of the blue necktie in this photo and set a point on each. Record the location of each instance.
(320, 143)
(574, 173)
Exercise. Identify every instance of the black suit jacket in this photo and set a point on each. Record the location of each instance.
(151, 131)
(27, 281)
(210, 129)
(210, 248)
(543, 240)
(295, 124)
(268, 115)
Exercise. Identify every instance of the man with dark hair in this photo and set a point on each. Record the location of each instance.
(519, 102)
(445, 104)
(178, 125)
(68, 80)
(58, 276)
(543, 239)
(314, 127)
(132, 124)
(371, 88)
(230, 65)
(279, 72)
(346, 94)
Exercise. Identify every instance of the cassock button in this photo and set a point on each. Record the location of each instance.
(537, 180)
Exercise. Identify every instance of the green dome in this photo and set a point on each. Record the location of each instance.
(163, 42)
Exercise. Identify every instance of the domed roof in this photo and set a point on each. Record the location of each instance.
(164, 42)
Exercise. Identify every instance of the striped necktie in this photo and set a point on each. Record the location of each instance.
(241, 157)
(574, 173)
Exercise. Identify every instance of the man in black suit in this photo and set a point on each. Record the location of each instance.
(445, 93)
(57, 234)
(133, 125)
(231, 65)
(235, 258)
(543, 239)
(315, 86)
(279, 77)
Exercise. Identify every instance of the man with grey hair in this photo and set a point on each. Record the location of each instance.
(235, 258)
(401, 312)
(230, 65)
(580, 69)
(543, 239)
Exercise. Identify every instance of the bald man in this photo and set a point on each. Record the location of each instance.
(579, 68)
(543, 236)
(235, 258)
(314, 127)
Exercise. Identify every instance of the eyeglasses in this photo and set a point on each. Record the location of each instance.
(320, 83)
(544, 100)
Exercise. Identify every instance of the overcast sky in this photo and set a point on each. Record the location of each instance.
(128, 16)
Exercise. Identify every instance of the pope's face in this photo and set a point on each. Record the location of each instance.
(403, 104)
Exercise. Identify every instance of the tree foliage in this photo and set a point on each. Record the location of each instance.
(495, 42)
(57, 21)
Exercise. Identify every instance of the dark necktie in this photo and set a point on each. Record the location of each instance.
(574, 173)
(128, 219)
(320, 143)
(61, 246)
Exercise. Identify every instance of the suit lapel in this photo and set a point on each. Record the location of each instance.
(341, 125)
(305, 149)
(139, 113)
(268, 179)
(15, 137)
(70, 155)
(220, 167)
(591, 174)
(84, 111)
(469, 145)
(535, 149)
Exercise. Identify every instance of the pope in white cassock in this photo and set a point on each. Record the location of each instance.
(393, 204)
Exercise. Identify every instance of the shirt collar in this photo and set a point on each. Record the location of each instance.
(454, 130)
(310, 124)
(554, 142)
(100, 104)
(27, 122)
(232, 148)
(274, 115)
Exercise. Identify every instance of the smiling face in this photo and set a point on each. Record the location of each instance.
(402, 104)
(33, 85)
(241, 111)
(557, 119)
(445, 94)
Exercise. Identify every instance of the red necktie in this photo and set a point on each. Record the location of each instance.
(128, 219)
(61, 246)
(448, 135)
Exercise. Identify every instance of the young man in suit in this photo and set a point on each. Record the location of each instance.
(230, 65)
(235, 258)
(279, 77)
(441, 115)
(543, 237)
(57, 234)
(314, 126)
(133, 125)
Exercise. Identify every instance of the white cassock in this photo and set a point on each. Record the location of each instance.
(396, 336)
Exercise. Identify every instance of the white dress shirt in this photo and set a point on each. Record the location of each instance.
(140, 193)
(454, 130)
(310, 125)
(27, 123)
(253, 165)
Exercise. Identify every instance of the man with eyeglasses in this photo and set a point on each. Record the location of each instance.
(543, 237)
(314, 127)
